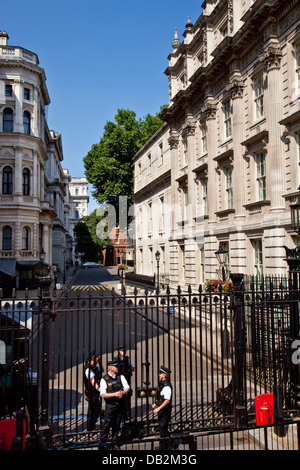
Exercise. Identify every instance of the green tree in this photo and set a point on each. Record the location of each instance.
(88, 242)
(108, 165)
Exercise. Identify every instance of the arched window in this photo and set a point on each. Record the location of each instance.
(25, 238)
(7, 238)
(26, 122)
(7, 180)
(8, 120)
(26, 182)
(76, 214)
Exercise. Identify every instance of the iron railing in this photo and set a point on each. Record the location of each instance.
(224, 349)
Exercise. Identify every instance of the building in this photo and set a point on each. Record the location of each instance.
(78, 208)
(230, 146)
(33, 186)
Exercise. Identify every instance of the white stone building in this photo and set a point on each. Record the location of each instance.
(33, 187)
(230, 144)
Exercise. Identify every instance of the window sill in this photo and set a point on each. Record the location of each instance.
(257, 206)
(225, 212)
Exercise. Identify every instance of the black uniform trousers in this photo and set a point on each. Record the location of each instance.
(164, 417)
(94, 409)
(114, 413)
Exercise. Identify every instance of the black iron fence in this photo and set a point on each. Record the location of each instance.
(224, 349)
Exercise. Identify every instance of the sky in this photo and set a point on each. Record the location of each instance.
(98, 56)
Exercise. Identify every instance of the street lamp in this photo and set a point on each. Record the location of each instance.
(157, 257)
(42, 255)
(221, 257)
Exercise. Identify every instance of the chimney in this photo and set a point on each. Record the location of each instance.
(3, 38)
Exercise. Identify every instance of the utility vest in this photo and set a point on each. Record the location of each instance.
(114, 384)
(90, 391)
(159, 398)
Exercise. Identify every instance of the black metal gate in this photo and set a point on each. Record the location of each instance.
(223, 348)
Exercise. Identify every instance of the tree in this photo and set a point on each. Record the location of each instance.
(108, 165)
(88, 242)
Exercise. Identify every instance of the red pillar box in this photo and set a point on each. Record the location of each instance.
(8, 433)
(264, 409)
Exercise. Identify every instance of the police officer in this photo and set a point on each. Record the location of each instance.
(113, 388)
(92, 376)
(162, 406)
(126, 368)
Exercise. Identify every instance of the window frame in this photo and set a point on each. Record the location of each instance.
(261, 176)
(259, 89)
(7, 240)
(26, 182)
(7, 180)
(26, 124)
(25, 239)
(8, 123)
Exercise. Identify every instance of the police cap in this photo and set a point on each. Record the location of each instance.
(164, 370)
(113, 363)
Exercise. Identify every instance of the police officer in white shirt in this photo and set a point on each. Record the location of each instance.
(113, 388)
(163, 405)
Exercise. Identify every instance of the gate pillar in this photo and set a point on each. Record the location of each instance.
(239, 343)
(46, 313)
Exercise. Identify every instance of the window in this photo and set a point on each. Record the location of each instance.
(8, 90)
(25, 238)
(161, 213)
(261, 176)
(204, 136)
(185, 203)
(229, 187)
(258, 257)
(8, 120)
(7, 238)
(150, 223)
(204, 196)
(76, 192)
(76, 214)
(227, 118)
(161, 153)
(297, 54)
(149, 163)
(224, 30)
(7, 180)
(258, 96)
(26, 122)
(26, 94)
(26, 182)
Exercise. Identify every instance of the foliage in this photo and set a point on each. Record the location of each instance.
(87, 241)
(108, 165)
(216, 286)
(43, 272)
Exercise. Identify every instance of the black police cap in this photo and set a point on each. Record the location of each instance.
(164, 370)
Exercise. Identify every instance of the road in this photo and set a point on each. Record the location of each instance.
(95, 279)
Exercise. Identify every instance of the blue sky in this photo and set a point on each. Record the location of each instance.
(98, 56)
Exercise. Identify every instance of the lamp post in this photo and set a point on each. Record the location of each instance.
(157, 257)
(221, 257)
(42, 255)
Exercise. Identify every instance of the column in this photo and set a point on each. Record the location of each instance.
(275, 167)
